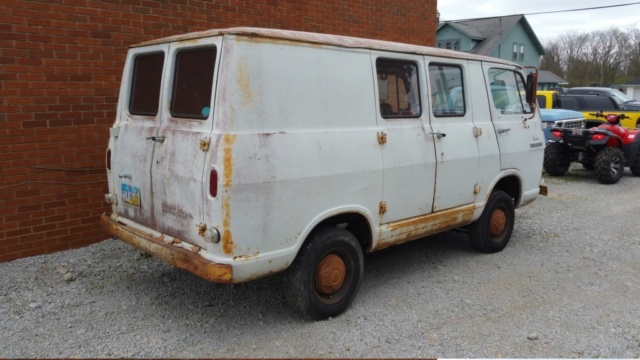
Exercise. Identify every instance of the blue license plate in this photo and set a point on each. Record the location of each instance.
(131, 195)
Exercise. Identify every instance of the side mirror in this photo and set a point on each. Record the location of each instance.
(532, 87)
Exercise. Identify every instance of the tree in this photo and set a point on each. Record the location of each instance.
(602, 57)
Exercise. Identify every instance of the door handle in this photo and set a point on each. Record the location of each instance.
(500, 131)
(439, 135)
(156, 138)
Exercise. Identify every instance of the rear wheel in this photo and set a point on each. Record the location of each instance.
(492, 231)
(609, 165)
(555, 159)
(325, 276)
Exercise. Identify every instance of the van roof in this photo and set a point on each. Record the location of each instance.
(326, 39)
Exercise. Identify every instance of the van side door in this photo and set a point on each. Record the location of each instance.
(518, 130)
(404, 135)
(454, 133)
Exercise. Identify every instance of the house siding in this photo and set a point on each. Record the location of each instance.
(60, 69)
(518, 35)
(450, 33)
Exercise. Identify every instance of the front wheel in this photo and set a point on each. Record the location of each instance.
(555, 159)
(492, 231)
(609, 165)
(325, 276)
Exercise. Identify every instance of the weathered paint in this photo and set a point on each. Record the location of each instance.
(326, 39)
(420, 226)
(181, 257)
(227, 178)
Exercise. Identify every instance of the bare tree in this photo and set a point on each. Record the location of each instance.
(603, 57)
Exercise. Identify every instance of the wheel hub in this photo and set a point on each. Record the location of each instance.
(331, 274)
(498, 222)
(615, 165)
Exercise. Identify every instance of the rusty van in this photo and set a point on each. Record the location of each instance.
(245, 152)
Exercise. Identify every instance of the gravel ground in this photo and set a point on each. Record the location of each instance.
(567, 286)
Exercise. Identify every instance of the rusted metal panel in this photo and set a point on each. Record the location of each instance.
(180, 257)
(420, 226)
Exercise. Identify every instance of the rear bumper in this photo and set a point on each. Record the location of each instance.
(164, 247)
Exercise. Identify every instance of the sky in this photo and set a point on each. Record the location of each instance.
(549, 26)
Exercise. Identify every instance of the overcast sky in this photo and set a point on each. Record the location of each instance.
(548, 26)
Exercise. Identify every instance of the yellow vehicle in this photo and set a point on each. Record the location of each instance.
(588, 105)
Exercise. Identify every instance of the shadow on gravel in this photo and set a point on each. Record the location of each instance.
(185, 300)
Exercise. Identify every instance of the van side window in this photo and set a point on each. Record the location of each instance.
(193, 83)
(398, 90)
(145, 84)
(508, 91)
(446, 90)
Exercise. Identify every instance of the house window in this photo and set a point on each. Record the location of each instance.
(453, 44)
(521, 55)
(514, 55)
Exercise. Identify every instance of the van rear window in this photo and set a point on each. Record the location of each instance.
(145, 84)
(193, 83)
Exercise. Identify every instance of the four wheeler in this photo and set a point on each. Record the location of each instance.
(607, 149)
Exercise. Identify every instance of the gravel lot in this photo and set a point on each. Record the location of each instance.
(567, 285)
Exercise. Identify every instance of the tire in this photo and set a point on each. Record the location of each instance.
(326, 275)
(635, 167)
(588, 161)
(555, 159)
(492, 231)
(609, 165)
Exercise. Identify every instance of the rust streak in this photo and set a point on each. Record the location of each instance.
(420, 226)
(227, 236)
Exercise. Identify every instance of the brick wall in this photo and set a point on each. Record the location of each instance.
(60, 68)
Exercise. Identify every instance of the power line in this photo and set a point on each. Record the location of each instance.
(584, 9)
(561, 11)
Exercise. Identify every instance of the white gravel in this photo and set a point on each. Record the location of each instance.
(568, 285)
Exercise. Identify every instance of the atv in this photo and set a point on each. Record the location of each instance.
(606, 148)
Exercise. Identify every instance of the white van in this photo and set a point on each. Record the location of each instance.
(244, 152)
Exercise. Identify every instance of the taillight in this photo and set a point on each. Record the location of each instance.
(557, 133)
(598, 137)
(109, 159)
(213, 183)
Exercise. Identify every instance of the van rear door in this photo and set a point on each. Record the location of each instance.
(138, 118)
(186, 122)
(163, 135)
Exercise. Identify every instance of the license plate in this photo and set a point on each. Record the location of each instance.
(131, 195)
(576, 131)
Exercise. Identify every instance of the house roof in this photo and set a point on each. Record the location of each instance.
(490, 31)
(635, 81)
(547, 77)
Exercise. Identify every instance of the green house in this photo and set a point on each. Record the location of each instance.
(505, 37)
